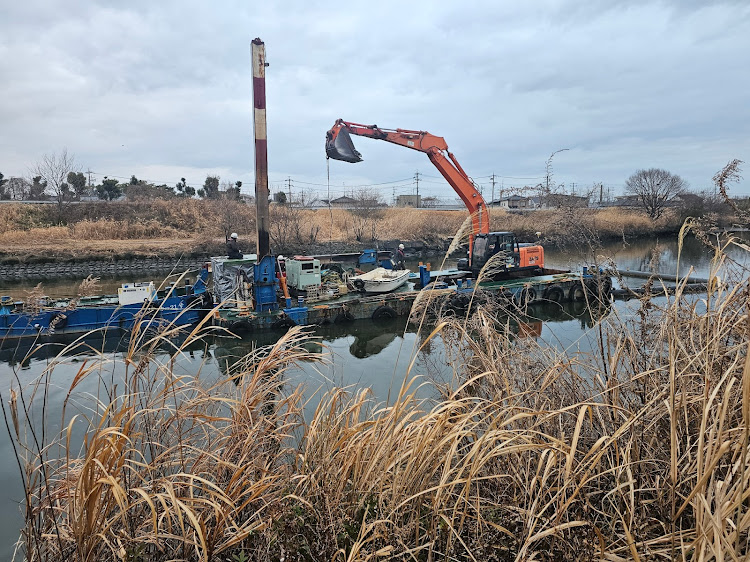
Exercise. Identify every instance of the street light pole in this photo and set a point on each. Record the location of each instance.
(549, 173)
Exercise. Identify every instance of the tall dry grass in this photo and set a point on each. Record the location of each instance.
(569, 222)
(637, 449)
(294, 229)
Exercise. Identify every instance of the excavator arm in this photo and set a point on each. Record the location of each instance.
(339, 146)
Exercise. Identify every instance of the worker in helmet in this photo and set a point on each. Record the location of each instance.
(233, 249)
(400, 257)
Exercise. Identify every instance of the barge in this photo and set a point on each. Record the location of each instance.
(136, 306)
(267, 310)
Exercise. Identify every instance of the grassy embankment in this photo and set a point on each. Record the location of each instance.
(637, 450)
(173, 228)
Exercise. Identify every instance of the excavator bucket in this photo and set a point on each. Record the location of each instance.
(339, 146)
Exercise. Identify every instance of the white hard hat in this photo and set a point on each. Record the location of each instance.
(234, 235)
(400, 246)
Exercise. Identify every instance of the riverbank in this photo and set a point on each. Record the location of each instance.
(195, 230)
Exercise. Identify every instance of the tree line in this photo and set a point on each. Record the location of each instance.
(56, 177)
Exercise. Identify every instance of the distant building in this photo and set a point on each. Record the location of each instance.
(409, 201)
(517, 202)
(558, 200)
(90, 194)
(627, 201)
(343, 201)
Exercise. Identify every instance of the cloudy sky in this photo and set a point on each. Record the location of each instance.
(163, 89)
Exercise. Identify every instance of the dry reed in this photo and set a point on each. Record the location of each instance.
(635, 450)
(26, 228)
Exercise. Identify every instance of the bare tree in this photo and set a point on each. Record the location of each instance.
(231, 211)
(307, 198)
(655, 189)
(54, 169)
(285, 227)
(230, 190)
(367, 210)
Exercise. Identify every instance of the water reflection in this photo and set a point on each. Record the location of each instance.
(655, 254)
(23, 352)
(365, 338)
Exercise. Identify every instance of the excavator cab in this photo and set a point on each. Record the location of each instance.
(339, 146)
(487, 245)
(516, 257)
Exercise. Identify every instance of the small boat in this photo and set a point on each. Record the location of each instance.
(135, 305)
(380, 280)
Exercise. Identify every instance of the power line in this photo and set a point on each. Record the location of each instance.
(496, 176)
(356, 186)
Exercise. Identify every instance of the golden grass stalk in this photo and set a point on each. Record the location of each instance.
(636, 450)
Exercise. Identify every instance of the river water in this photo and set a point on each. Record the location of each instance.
(361, 354)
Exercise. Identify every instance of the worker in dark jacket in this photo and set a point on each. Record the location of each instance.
(233, 250)
(400, 257)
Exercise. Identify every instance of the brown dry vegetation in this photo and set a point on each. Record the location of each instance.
(638, 450)
(158, 227)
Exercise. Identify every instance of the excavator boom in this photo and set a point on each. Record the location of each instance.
(339, 146)
(482, 244)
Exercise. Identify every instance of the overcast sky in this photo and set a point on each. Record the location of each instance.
(163, 90)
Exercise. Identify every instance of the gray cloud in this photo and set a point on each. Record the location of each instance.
(164, 90)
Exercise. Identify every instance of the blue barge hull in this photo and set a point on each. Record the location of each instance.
(177, 307)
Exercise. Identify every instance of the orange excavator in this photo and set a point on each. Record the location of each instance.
(483, 244)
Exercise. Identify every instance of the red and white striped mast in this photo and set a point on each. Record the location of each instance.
(261, 147)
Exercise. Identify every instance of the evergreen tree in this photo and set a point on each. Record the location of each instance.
(109, 189)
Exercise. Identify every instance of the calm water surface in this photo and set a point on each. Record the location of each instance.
(362, 354)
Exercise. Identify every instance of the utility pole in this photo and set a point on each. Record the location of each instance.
(259, 63)
(89, 173)
(394, 196)
(289, 188)
(492, 177)
(416, 179)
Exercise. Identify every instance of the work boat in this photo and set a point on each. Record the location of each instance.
(136, 305)
(380, 280)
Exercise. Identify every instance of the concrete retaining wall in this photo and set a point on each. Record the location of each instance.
(97, 268)
(82, 269)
